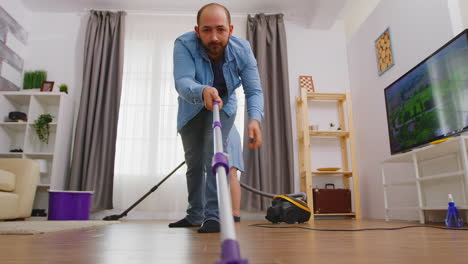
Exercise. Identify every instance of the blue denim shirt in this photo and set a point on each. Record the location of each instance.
(193, 72)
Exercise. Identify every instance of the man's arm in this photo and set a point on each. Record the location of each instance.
(186, 85)
(254, 98)
(184, 75)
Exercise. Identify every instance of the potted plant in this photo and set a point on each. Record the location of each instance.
(34, 79)
(41, 127)
(63, 88)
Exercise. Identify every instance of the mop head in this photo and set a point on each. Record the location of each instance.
(288, 209)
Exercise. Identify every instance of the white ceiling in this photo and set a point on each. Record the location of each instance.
(314, 13)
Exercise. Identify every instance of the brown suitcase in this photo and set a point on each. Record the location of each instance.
(331, 200)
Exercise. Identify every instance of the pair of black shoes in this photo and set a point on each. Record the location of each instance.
(210, 226)
(16, 150)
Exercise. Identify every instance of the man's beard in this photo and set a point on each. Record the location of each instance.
(215, 48)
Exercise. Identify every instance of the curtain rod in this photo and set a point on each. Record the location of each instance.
(165, 12)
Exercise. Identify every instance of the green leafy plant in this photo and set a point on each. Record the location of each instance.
(63, 88)
(42, 128)
(34, 79)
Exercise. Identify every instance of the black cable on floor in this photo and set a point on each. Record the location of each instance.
(352, 230)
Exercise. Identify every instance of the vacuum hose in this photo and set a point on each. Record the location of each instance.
(301, 195)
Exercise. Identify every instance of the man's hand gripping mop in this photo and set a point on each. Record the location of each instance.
(230, 251)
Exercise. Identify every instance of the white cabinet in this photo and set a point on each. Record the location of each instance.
(437, 170)
(54, 156)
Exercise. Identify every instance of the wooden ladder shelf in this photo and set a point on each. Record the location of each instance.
(348, 154)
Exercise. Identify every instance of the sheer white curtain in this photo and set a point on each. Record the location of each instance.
(148, 146)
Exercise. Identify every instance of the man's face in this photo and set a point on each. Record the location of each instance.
(214, 30)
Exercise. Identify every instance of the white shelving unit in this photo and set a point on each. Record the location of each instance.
(439, 169)
(55, 154)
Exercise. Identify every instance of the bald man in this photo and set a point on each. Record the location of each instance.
(209, 65)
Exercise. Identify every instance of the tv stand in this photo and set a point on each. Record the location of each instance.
(439, 169)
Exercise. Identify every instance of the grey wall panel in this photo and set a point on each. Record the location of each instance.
(9, 56)
(3, 31)
(8, 25)
(6, 85)
(14, 27)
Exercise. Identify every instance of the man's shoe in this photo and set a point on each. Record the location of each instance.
(182, 223)
(210, 226)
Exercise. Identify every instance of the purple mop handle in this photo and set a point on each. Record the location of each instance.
(230, 250)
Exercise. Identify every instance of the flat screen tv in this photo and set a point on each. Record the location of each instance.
(430, 101)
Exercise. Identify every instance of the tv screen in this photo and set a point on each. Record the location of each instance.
(430, 101)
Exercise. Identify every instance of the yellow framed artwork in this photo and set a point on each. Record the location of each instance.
(384, 52)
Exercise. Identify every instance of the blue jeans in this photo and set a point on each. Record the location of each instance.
(197, 140)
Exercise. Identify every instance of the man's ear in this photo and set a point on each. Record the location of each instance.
(197, 31)
(231, 30)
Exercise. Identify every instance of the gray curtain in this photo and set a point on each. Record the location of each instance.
(95, 136)
(270, 168)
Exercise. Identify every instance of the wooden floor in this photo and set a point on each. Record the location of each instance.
(153, 242)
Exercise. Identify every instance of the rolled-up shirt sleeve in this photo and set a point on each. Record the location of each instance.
(184, 75)
(252, 86)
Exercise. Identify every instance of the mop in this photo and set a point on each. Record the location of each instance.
(230, 251)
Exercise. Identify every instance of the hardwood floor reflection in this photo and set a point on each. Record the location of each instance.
(153, 242)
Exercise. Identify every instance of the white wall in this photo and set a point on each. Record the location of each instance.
(356, 13)
(321, 54)
(463, 5)
(418, 28)
(56, 46)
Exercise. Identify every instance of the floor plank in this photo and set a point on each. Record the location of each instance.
(153, 242)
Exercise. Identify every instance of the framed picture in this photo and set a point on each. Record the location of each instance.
(307, 83)
(384, 52)
(47, 86)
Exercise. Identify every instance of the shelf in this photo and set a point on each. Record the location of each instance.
(444, 162)
(20, 99)
(15, 126)
(441, 176)
(345, 173)
(337, 214)
(328, 133)
(329, 173)
(326, 96)
(56, 153)
(12, 123)
(50, 124)
(308, 170)
(41, 154)
(461, 207)
(38, 155)
(11, 154)
(48, 99)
